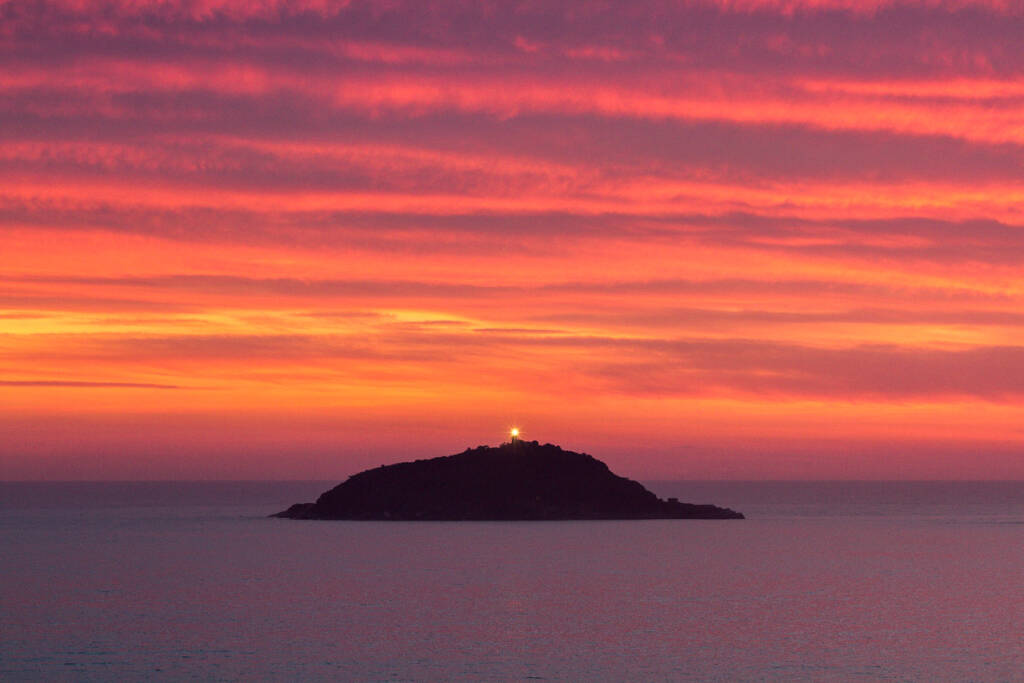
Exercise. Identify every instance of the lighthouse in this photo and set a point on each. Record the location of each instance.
(513, 435)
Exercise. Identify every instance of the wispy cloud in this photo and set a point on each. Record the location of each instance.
(84, 385)
(795, 216)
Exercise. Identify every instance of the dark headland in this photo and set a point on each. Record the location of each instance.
(520, 480)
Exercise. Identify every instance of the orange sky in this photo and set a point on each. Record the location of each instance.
(740, 239)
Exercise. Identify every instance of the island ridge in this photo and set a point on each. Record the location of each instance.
(519, 480)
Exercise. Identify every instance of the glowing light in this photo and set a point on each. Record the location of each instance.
(514, 433)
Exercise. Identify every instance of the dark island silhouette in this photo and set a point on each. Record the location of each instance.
(519, 480)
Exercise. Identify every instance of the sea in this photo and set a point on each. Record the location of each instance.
(824, 581)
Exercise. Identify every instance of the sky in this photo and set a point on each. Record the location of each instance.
(717, 239)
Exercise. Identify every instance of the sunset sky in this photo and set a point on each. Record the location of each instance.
(718, 239)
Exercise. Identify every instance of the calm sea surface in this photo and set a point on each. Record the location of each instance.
(824, 581)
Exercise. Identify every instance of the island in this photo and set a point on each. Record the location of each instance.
(518, 480)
